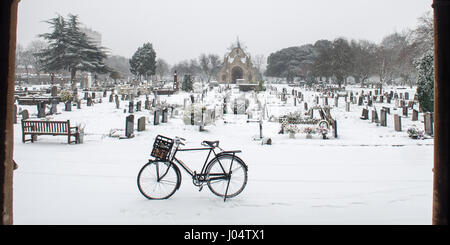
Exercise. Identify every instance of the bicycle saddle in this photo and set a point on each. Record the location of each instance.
(211, 143)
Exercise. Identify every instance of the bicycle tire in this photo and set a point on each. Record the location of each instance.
(224, 187)
(151, 187)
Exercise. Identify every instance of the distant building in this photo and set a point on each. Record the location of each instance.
(94, 36)
(237, 67)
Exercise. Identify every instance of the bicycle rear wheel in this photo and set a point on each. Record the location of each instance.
(227, 175)
(158, 180)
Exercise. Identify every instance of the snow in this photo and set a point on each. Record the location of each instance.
(369, 175)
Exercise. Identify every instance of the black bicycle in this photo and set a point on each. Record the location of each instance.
(225, 174)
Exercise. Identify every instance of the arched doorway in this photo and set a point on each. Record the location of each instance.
(236, 73)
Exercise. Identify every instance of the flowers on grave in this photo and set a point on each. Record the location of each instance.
(322, 131)
(309, 130)
(291, 129)
(66, 95)
(414, 133)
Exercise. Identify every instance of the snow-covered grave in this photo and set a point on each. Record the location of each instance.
(369, 174)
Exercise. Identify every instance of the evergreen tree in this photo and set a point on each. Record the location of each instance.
(143, 62)
(425, 81)
(187, 83)
(70, 49)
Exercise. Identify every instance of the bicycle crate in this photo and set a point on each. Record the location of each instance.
(162, 147)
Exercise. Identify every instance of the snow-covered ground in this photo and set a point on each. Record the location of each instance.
(368, 175)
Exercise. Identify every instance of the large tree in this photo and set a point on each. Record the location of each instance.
(364, 60)
(425, 81)
(70, 49)
(341, 60)
(143, 61)
(322, 66)
(209, 65)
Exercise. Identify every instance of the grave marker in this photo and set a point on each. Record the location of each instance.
(415, 115)
(365, 114)
(129, 126)
(156, 117)
(428, 123)
(15, 114)
(383, 116)
(141, 124)
(397, 123)
(68, 106)
(130, 107)
(375, 116)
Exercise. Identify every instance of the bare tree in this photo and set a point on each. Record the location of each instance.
(162, 68)
(259, 61)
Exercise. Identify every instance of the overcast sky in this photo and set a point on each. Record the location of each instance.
(183, 29)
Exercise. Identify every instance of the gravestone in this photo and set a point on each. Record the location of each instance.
(138, 106)
(335, 131)
(383, 117)
(387, 109)
(325, 101)
(41, 109)
(117, 102)
(86, 95)
(141, 124)
(376, 92)
(347, 106)
(381, 99)
(104, 93)
(164, 115)
(68, 106)
(156, 116)
(411, 104)
(15, 114)
(111, 97)
(295, 101)
(428, 123)
(123, 97)
(369, 102)
(130, 107)
(89, 102)
(415, 115)
(306, 106)
(365, 114)
(336, 101)
(79, 104)
(397, 123)
(25, 115)
(54, 91)
(129, 126)
(93, 95)
(360, 101)
(405, 111)
(147, 104)
(388, 99)
(406, 96)
(375, 116)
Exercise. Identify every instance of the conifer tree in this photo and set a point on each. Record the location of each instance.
(143, 61)
(425, 81)
(70, 49)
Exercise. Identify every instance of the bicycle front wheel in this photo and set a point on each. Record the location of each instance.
(227, 176)
(158, 180)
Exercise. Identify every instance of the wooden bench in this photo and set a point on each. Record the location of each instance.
(49, 128)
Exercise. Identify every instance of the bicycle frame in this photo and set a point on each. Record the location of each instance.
(202, 173)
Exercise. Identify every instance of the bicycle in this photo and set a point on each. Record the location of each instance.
(160, 178)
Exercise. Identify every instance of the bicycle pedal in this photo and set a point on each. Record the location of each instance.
(200, 188)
